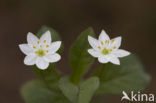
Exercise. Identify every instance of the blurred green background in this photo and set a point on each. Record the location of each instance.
(134, 20)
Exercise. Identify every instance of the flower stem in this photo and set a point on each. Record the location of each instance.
(49, 75)
(99, 71)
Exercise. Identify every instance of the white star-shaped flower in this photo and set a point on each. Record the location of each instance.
(40, 51)
(106, 50)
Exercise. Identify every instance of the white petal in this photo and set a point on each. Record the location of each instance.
(54, 47)
(93, 53)
(121, 53)
(26, 49)
(46, 38)
(32, 39)
(116, 43)
(41, 63)
(102, 59)
(113, 59)
(103, 36)
(30, 60)
(93, 42)
(52, 57)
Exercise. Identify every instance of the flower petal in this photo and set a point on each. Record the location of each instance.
(52, 57)
(102, 59)
(41, 63)
(32, 39)
(94, 43)
(93, 53)
(54, 47)
(103, 36)
(113, 59)
(26, 49)
(46, 38)
(121, 53)
(116, 43)
(30, 60)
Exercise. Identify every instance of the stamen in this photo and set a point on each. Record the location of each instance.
(34, 47)
(110, 50)
(44, 41)
(38, 42)
(114, 47)
(47, 46)
(112, 41)
(102, 42)
(36, 52)
(99, 47)
(106, 41)
(47, 51)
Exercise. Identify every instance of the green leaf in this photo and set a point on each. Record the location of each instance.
(128, 76)
(49, 76)
(68, 89)
(87, 89)
(55, 36)
(37, 92)
(80, 60)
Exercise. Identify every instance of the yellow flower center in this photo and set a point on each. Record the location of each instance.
(105, 51)
(40, 52)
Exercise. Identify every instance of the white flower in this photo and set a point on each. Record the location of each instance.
(40, 51)
(106, 50)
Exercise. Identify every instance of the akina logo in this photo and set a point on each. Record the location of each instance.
(138, 97)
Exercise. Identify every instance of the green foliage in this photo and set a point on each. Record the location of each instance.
(87, 89)
(80, 60)
(49, 76)
(79, 94)
(107, 79)
(129, 76)
(55, 36)
(68, 89)
(37, 92)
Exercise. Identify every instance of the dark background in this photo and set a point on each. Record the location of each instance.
(134, 20)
